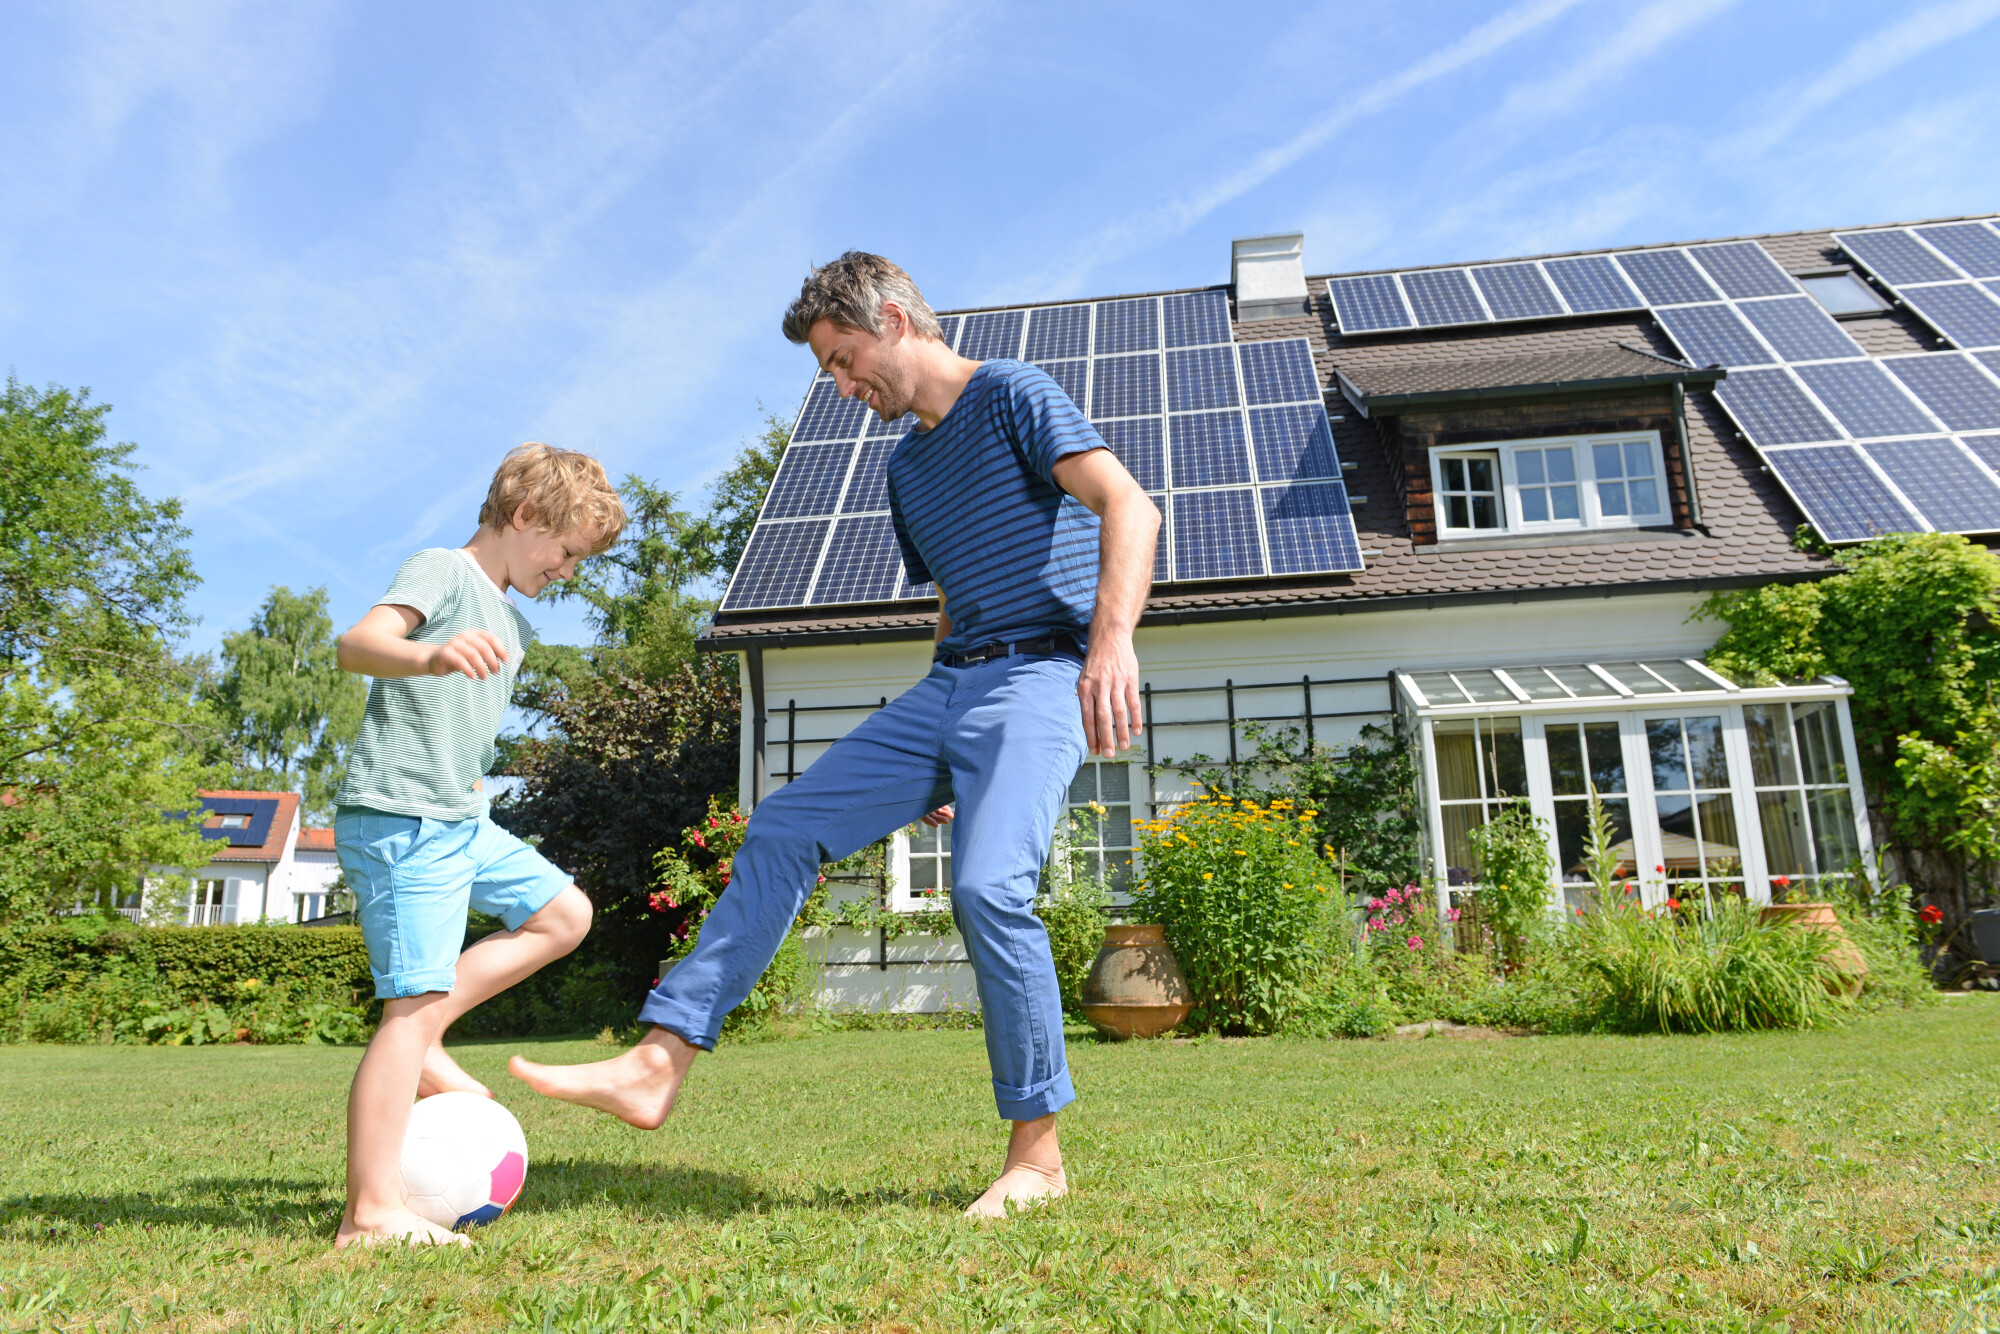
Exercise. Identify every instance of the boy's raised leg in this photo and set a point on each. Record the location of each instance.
(491, 965)
(638, 1087)
(378, 1116)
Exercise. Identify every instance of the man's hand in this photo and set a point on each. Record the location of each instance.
(477, 653)
(1109, 692)
(941, 816)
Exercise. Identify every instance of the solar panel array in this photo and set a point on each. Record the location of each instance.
(1231, 440)
(1866, 445)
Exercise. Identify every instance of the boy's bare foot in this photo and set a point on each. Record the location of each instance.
(638, 1088)
(397, 1225)
(444, 1075)
(1021, 1186)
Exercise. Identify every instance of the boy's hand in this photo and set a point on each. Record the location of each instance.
(477, 653)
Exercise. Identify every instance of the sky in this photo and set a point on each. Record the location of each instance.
(329, 261)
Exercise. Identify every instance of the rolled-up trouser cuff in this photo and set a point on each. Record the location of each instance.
(1039, 1100)
(680, 1020)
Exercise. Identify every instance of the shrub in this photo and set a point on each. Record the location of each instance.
(1667, 971)
(1887, 930)
(1245, 904)
(1071, 903)
(1514, 873)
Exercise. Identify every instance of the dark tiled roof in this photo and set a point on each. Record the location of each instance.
(280, 833)
(1380, 386)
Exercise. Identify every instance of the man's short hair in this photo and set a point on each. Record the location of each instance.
(565, 492)
(850, 292)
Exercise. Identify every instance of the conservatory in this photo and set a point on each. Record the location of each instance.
(1711, 786)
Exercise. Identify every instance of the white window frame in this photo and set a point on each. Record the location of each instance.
(1590, 516)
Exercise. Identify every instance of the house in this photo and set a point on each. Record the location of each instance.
(1475, 504)
(264, 868)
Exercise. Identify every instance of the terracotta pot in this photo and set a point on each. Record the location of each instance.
(1843, 958)
(1135, 989)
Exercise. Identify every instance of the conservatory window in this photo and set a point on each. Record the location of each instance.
(1586, 759)
(1104, 840)
(1701, 854)
(1534, 486)
(1804, 806)
(1481, 766)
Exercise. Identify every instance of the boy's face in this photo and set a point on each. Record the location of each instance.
(537, 557)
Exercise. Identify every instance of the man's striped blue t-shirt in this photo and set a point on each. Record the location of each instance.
(977, 510)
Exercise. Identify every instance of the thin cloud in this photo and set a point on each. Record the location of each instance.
(1867, 60)
(1177, 215)
(1650, 29)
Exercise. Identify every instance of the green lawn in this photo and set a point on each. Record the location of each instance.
(1846, 1180)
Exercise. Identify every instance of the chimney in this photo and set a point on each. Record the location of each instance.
(1269, 275)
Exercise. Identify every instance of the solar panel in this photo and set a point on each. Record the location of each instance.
(991, 334)
(1799, 328)
(1952, 387)
(1279, 371)
(1990, 360)
(1070, 375)
(1309, 528)
(1591, 284)
(1713, 336)
(1216, 535)
(1132, 325)
(1126, 386)
(1057, 333)
(1517, 292)
(878, 429)
(808, 481)
(1443, 296)
(1208, 449)
(1162, 568)
(828, 416)
(1293, 443)
(1987, 447)
(1368, 304)
(863, 563)
(1772, 409)
(1972, 246)
(1838, 493)
(1954, 494)
(1959, 311)
(1895, 257)
(1742, 268)
(1864, 399)
(1136, 443)
(948, 327)
(1667, 277)
(1196, 319)
(777, 564)
(910, 592)
(1201, 377)
(868, 484)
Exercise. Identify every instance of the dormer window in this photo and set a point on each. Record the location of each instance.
(1550, 485)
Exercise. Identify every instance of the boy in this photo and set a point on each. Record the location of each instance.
(443, 646)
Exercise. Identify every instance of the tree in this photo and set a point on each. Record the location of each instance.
(289, 709)
(101, 739)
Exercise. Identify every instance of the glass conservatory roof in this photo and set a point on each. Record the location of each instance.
(1596, 684)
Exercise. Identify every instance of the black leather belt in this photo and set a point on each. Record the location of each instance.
(1024, 647)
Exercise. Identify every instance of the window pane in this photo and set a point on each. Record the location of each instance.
(1705, 755)
(1679, 674)
(1534, 505)
(1583, 683)
(1117, 828)
(1782, 817)
(1566, 761)
(1607, 757)
(1460, 821)
(1457, 759)
(1645, 498)
(1454, 474)
(1456, 513)
(1819, 743)
(1834, 844)
(1668, 750)
(1606, 459)
(1083, 787)
(944, 871)
(1638, 459)
(1506, 762)
(1680, 852)
(1562, 501)
(1562, 464)
(1573, 835)
(923, 873)
(1611, 498)
(1771, 762)
(1485, 512)
(1720, 852)
(923, 839)
(1480, 473)
(1114, 782)
(1528, 463)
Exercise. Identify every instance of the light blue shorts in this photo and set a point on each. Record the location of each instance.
(413, 879)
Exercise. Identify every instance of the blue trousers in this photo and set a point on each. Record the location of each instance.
(1001, 740)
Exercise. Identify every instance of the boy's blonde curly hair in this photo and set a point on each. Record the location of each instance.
(565, 492)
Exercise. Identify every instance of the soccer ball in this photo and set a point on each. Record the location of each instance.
(464, 1160)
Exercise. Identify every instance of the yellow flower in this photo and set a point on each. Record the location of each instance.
(1291, 843)
(1308, 814)
(1208, 875)
(1241, 853)
(1286, 883)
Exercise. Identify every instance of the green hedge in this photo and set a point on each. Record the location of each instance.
(92, 980)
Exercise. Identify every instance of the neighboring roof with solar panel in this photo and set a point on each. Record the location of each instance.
(1878, 421)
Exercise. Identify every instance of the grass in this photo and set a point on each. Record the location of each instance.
(1842, 1180)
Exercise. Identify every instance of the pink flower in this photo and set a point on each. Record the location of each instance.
(1377, 904)
(662, 901)
(1415, 942)
(1451, 915)
(1397, 920)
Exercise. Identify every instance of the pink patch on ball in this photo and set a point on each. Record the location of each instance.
(507, 1178)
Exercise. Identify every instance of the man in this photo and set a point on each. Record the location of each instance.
(1041, 545)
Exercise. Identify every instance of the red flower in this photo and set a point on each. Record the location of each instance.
(1780, 880)
(699, 841)
(1661, 870)
(1675, 904)
(1931, 913)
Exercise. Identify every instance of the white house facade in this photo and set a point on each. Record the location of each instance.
(266, 867)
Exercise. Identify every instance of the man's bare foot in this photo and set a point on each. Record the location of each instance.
(444, 1075)
(397, 1225)
(1021, 1186)
(638, 1088)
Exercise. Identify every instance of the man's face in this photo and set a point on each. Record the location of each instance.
(874, 368)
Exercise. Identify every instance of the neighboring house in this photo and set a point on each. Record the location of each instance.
(265, 867)
(1475, 504)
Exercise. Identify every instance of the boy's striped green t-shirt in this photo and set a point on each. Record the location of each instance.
(426, 740)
